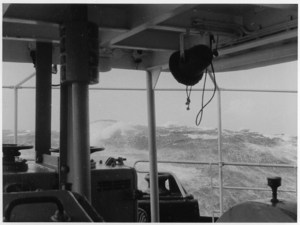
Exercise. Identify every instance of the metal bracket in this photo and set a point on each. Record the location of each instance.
(155, 75)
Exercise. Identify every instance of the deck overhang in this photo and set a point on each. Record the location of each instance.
(243, 29)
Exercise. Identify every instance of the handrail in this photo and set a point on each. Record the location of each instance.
(254, 189)
(287, 166)
(221, 164)
(169, 89)
(260, 165)
(216, 163)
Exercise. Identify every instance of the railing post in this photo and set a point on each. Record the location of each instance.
(154, 197)
(220, 151)
(16, 116)
(16, 106)
(213, 78)
(211, 193)
(296, 182)
(81, 136)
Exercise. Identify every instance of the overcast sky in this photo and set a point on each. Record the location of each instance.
(267, 113)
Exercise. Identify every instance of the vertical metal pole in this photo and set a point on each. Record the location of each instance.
(16, 87)
(211, 193)
(296, 182)
(81, 138)
(154, 197)
(70, 153)
(63, 136)
(16, 116)
(220, 151)
(43, 99)
(79, 60)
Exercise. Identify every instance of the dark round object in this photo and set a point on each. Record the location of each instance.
(189, 71)
(261, 211)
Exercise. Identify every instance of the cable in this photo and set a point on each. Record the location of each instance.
(201, 111)
(202, 107)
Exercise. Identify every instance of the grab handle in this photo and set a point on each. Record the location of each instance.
(60, 215)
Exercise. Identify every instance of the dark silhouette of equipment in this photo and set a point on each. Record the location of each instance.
(263, 210)
(274, 183)
(11, 160)
(189, 70)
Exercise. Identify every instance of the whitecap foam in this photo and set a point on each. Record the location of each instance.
(101, 130)
(202, 136)
(171, 124)
(284, 137)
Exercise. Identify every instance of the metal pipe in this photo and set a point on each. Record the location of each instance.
(258, 90)
(259, 58)
(177, 161)
(43, 98)
(16, 105)
(69, 159)
(259, 165)
(296, 182)
(216, 163)
(154, 195)
(211, 193)
(254, 189)
(16, 117)
(63, 137)
(170, 89)
(81, 145)
(220, 151)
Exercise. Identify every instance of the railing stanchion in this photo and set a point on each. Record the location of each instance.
(211, 193)
(16, 87)
(16, 116)
(220, 149)
(296, 183)
(154, 195)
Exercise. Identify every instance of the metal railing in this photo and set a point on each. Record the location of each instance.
(163, 89)
(219, 90)
(210, 164)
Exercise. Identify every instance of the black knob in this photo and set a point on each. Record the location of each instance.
(274, 183)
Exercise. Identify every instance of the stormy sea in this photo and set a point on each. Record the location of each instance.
(177, 142)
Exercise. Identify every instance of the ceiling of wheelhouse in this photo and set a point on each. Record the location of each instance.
(249, 35)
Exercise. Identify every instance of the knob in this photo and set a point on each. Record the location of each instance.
(274, 183)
